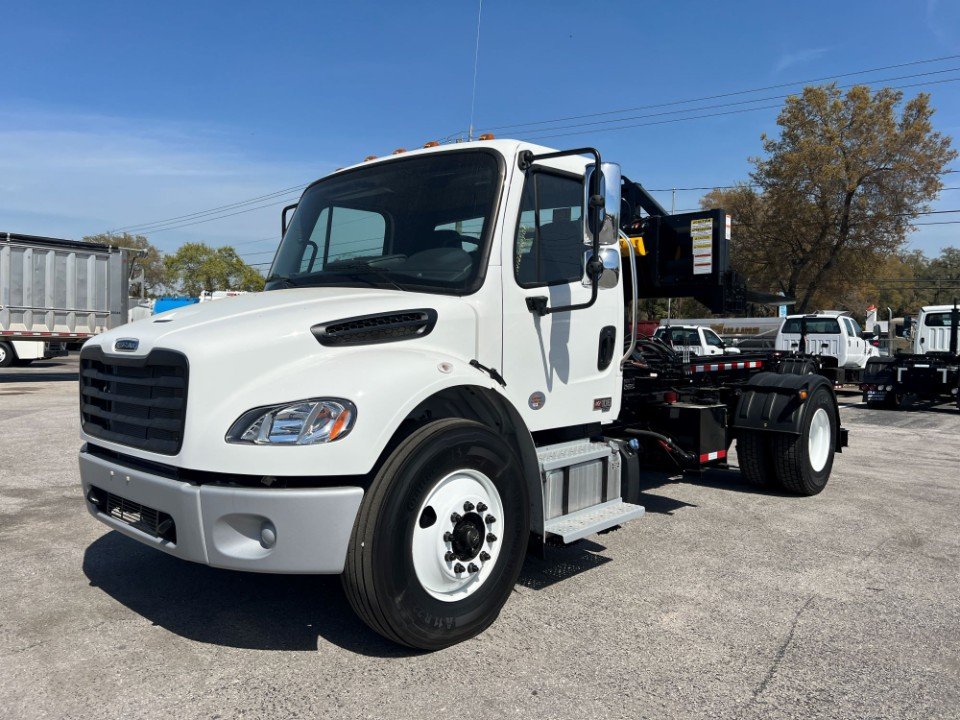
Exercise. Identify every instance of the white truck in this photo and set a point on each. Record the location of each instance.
(694, 339)
(56, 292)
(931, 372)
(841, 346)
(434, 382)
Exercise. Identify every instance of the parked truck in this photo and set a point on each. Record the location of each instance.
(55, 292)
(931, 372)
(694, 339)
(831, 339)
(436, 381)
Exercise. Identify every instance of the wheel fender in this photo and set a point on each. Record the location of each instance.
(772, 402)
(460, 390)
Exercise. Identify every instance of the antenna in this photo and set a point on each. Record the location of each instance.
(476, 63)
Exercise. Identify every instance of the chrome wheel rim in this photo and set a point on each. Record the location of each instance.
(456, 535)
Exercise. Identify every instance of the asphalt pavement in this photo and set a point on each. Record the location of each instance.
(721, 602)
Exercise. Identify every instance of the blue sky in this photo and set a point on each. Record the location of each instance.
(118, 113)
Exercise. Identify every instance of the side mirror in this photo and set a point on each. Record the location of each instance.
(867, 335)
(610, 276)
(607, 215)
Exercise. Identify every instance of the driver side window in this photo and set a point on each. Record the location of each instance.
(712, 338)
(550, 252)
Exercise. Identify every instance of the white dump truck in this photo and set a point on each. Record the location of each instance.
(56, 292)
(436, 381)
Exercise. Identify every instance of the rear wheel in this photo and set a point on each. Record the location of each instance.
(440, 538)
(753, 454)
(803, 462)
(7, 355)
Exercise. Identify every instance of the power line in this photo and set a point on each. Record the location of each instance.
(239, 203)
(692, 117)
(729, 94)
(748, 102)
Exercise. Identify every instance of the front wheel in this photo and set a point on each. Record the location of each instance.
(440, 537)
(803, 462)
(7, 356)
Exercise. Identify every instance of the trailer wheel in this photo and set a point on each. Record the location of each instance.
(7, 355)
(440, 537)
(803, 462)
(753, 454)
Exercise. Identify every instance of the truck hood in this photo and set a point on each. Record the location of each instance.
(280, 320)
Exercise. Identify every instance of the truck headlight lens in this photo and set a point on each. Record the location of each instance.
(307, 422)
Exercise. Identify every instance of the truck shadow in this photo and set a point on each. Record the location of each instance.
(44, 371)
(222, 607)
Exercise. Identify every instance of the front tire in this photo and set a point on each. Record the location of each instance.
(7, 355)
(803, 462)
(426, 566)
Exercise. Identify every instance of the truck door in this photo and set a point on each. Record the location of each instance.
(561, 369)
(856, 355)
(712, 342)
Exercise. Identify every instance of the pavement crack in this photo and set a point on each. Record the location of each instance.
(778, 658)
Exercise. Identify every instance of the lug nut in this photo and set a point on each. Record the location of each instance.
(481, 507)
(472, 568)
(448, 537)
(455, 518)
(490, 519)
(467, 506)
(491, 538)
(449, 556)
(458, 568)
(484, 556)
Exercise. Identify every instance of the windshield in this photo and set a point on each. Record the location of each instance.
(419, 223)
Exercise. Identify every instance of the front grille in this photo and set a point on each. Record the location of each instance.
(378, 328)
(145, 519)
(140, 402)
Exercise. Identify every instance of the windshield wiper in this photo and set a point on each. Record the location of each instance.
(285, 279)
(366, 266)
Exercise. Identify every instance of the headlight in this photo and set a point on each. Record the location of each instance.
(307, 422)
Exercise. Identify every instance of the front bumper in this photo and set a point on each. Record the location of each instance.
(224, 526)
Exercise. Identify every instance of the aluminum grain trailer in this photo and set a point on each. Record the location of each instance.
(56, 292)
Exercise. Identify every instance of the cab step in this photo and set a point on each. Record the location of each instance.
(581, 523)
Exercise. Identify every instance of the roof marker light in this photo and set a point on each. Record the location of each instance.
(487, 136)
(432, 143)
(368, 158)
(398, 151)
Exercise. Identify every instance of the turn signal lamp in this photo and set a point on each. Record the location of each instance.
(803, 394)
(486, 136)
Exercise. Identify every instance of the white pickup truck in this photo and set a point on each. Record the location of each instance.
(843, 346)
(695, 339)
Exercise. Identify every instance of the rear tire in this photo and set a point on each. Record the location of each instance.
(7, 355)
(400, 576)
(803, 462)
(754, 456)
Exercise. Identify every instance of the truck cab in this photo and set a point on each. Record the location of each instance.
(694, 339)
(433, 382)
(932, 330)
(833, 334)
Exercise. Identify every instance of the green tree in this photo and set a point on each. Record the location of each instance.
(836, 192)
(196, 267)
(146, 261)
